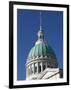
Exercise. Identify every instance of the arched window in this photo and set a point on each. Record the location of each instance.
(44, 65)
(39, 67)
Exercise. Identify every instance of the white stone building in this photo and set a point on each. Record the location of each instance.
(41, 61)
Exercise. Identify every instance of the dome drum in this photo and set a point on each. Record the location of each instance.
(38, 67)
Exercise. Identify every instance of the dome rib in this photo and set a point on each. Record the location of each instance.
(40, 49)
(36, 51)
(32, 55)
(44, 50)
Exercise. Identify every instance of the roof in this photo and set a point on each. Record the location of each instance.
(40, 49)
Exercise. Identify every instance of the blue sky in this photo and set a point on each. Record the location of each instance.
(28, 23)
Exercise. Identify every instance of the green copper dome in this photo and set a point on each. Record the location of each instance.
(40, 49)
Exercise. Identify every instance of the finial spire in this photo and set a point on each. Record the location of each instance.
(40, 32)
(40, 22)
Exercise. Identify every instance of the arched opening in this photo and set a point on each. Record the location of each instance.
(39, 67)
(44, 65)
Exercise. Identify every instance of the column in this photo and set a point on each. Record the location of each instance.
(46, 64)
(26, 72)
(30, 69)
(33, 68)
(37, 67)
(41, 66)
